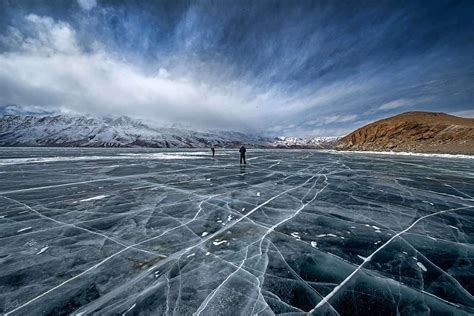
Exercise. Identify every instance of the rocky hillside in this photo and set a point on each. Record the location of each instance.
(425, 132)
(83, 131)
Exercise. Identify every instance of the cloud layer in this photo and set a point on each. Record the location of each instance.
(296, 69)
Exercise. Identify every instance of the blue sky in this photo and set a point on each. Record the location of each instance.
(276, 67)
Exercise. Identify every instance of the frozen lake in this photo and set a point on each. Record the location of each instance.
(114, 231)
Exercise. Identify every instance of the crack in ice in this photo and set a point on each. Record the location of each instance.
(369, 258)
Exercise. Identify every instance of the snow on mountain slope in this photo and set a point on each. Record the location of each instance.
(82, 131)
(305, 142)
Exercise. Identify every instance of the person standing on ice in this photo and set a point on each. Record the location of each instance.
(242, 154)
(213, 151)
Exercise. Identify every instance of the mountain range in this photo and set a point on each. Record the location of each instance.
(83, 131)
(305, 142)
(424, 132)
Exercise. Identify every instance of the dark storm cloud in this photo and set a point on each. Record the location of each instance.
(306, 67)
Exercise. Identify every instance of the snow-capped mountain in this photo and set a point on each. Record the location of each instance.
(305, 142)
(83, 131)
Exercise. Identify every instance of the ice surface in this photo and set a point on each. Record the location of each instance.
(126, 231)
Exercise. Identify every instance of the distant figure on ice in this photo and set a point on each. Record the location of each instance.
(242, 154)
(213, 151)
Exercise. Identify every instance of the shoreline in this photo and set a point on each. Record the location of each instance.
(333, 151)
(403, 153)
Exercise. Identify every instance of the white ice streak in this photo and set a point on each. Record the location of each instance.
(98, 197)
(23, 229)
(42, 250)
(422, 266)
(325, 235)
(132, 307)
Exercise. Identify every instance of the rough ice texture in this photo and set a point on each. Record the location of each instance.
(328, 234)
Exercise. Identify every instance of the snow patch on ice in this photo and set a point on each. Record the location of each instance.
(204, 234)
(23, 229)
(219, 242)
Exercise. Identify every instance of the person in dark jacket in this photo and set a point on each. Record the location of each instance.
(242, 154)
(213, 151)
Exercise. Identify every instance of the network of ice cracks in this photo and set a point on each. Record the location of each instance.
(170, 232)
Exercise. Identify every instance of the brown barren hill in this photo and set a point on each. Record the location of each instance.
(422, 132)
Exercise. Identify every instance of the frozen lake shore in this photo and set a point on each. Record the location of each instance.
(113, 231)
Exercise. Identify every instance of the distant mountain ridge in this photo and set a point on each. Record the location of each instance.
(84, 131)
(305, 142)
(423, 132)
